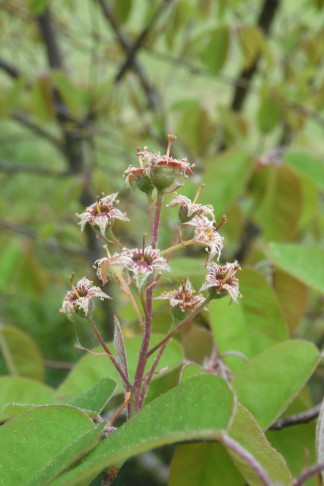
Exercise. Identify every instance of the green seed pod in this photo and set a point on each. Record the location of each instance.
(144, 184)
(162, 177)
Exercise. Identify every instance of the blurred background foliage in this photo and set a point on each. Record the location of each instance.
(83, 83)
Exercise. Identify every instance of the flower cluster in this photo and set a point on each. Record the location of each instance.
(143, 266)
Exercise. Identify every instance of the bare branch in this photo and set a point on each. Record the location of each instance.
(51, 244)
(27, 122)
(298, 418)
(152, 95)
(265, 20)
(14, 168)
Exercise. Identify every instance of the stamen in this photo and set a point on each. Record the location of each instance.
(73, 286)
(223, 221)
(107, 251)
(201, 185)
(143, 242)
(98, 203)
(171, 139)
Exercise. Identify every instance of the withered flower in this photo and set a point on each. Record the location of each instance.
(206, 235)
(221, 280)
(79, 300)
(102, 214)
(184, 298)
(143, 262)
(188, 209)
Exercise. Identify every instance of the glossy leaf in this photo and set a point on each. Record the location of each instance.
(90, 369)
(252, 43)
(228, 172)
(246, 430)
(203, 464)
(19, 354)
(23, 391)
(36, 437)
(184, 413)
(306, 263)
(272, 379)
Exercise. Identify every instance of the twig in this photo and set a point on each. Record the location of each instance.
(151, 94)
(298, 418)
(265, 20)
(247, 458)
(312, 471)
(13, 168)
(27, 122)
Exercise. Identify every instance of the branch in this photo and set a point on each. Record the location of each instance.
(13, 168)
(134, 48)
(50, 244)
(152, 95)
(298, 418)
(12, 71)
(72, 139)
(26, 121)
(265, 20)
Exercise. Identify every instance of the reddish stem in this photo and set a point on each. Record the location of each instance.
(110, 356)
(179, 326)
(159, 200)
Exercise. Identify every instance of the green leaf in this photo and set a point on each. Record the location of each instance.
(19, 354)
(281, 208)
(96, 398)
(199, 408)
(213, 48)
(296, 443)
(225, 177)
(272, 379)
(253, 324)
(263, 315)
(308, 165)
(73, 95)
(37, 7)
(246, 430)
(122, 10)
(90, 369)
(194, 124)
(65, 458)
(35, 438)
(306, 263)
(24, 391)
(293, 297)
(270, 111)
(203, 464)
(252, 43)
